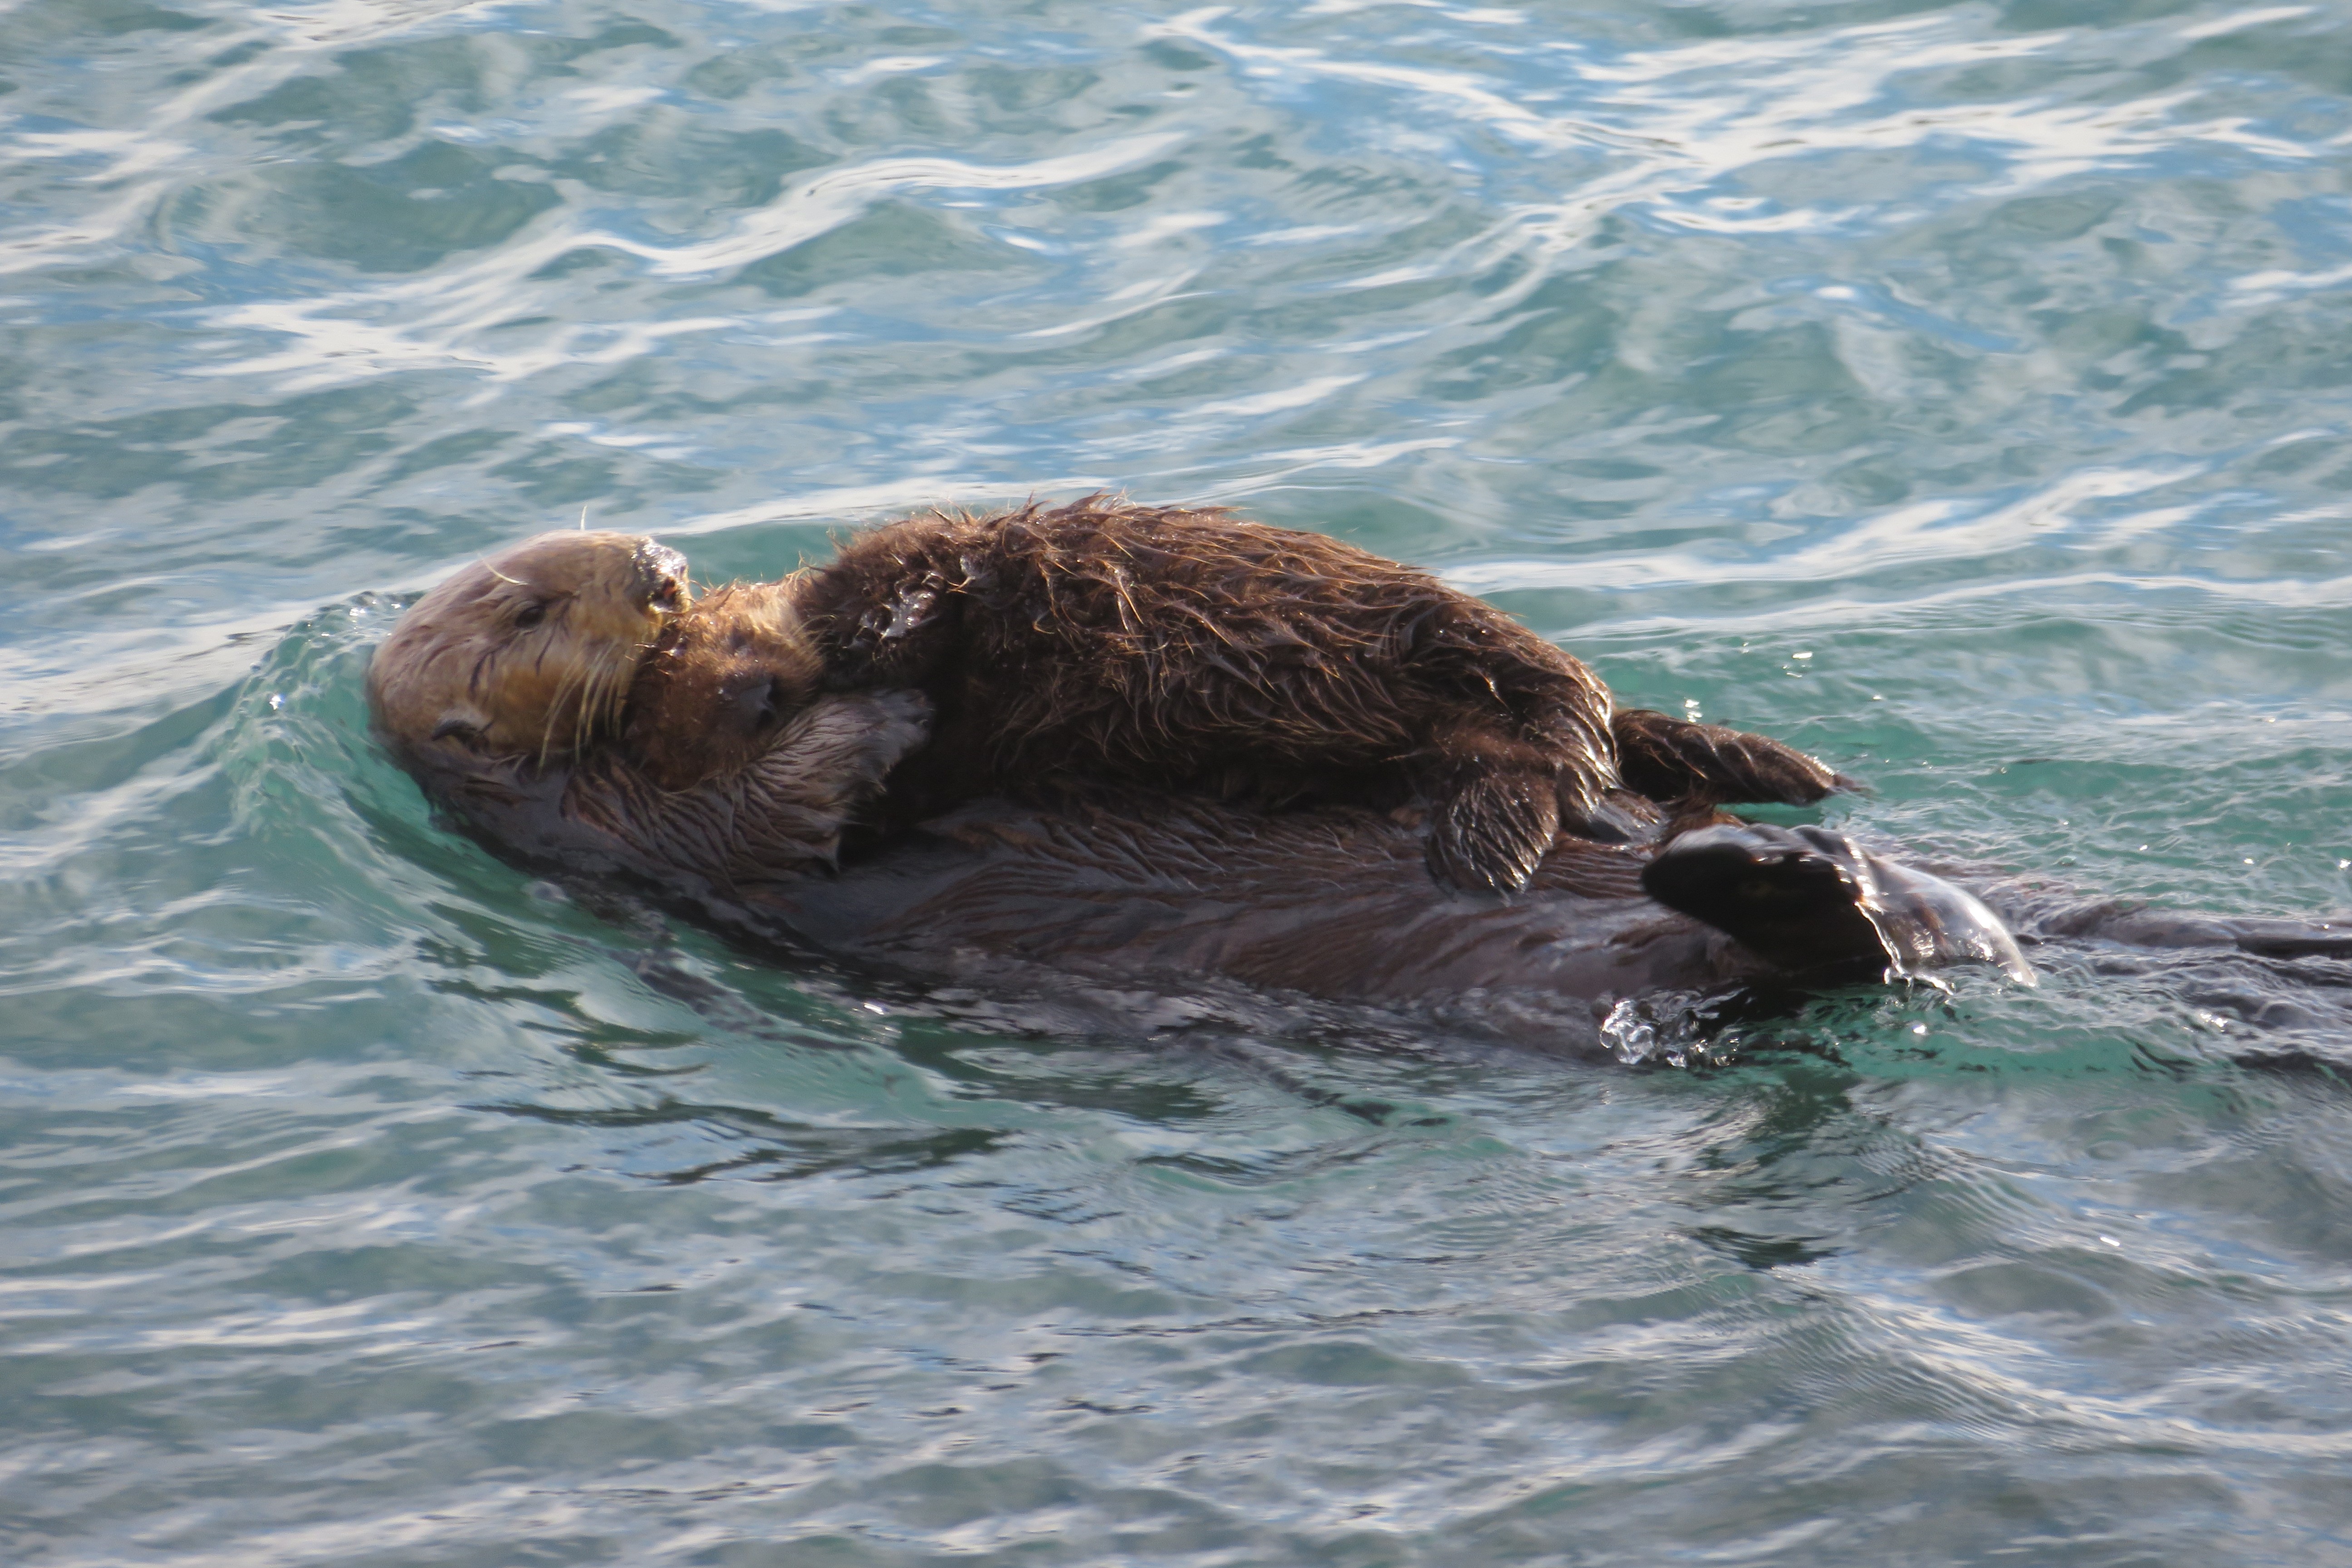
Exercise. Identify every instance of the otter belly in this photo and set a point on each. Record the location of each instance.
(1169, 893)
(1334, 903)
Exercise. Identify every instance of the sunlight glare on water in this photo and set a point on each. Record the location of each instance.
(1956, 391)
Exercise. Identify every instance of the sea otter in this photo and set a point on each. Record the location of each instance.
(1187, 649)
(499, 689)
(480, 693)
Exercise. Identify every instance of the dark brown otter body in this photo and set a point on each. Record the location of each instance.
(1332, 902)
(1134, 890)
(496, 691)
(1190, 650)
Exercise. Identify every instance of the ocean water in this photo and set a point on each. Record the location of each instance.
(1960, 392)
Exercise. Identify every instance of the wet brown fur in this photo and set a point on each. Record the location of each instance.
(1193, 650)
(719, 684)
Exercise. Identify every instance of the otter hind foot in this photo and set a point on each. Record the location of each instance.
(1489, 834)
(1670, 759)
(1814, 902)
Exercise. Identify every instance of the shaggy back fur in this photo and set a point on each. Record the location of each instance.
(1191, 649)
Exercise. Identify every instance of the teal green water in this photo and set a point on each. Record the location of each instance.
(1959, 391)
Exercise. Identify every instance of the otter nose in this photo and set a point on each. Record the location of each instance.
(661, 578)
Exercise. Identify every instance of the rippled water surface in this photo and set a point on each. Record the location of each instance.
(1959, 391)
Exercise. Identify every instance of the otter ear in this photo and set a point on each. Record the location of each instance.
(462, 723)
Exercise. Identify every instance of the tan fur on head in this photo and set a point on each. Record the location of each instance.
(530, 653)
(723, 680)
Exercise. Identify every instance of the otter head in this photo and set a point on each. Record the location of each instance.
(719, 685)
(529, 653)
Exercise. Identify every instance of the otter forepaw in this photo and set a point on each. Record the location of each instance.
(901, 721)
(1493, 831)
(833, 759)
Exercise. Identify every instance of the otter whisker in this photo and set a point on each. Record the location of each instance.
(601, 706)
(612, 685)
(555, 709)
(585, 688)
(588, 720)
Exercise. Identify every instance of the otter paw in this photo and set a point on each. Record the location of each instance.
(1493, 831)
(885, 726)
(1670, 759)
(1795, 896)
(1814, 902)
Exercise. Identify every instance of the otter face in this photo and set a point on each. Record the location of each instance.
(529, 653)
(722, 682)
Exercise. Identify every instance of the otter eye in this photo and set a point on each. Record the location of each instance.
(531, 615)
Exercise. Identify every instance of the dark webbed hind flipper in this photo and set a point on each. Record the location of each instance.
(1491, 831)
(1786, 898)
(1670, 759)
(1817, 904)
